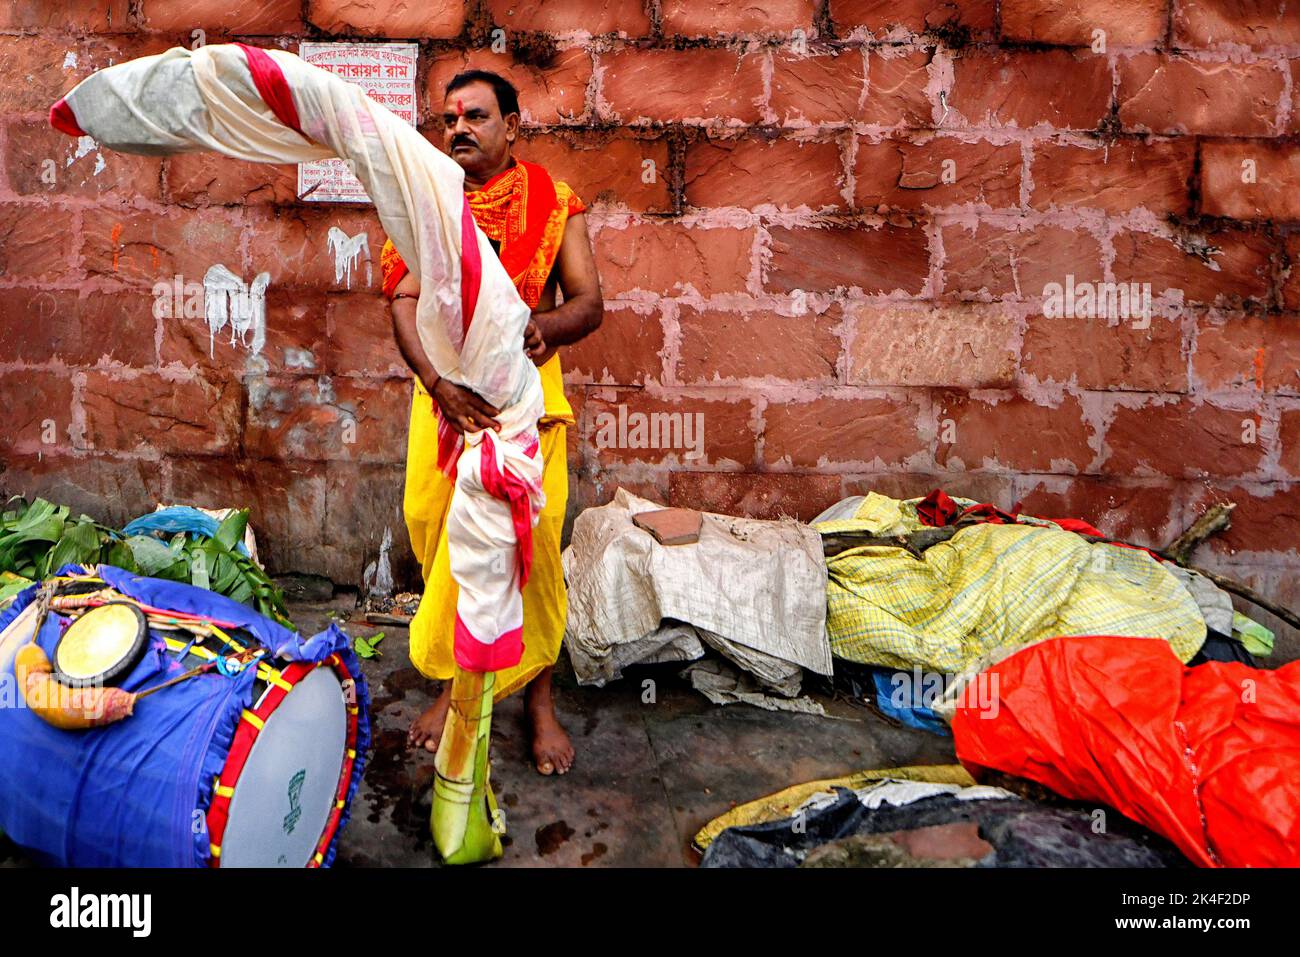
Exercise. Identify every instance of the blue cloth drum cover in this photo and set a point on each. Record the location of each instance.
(137, 793)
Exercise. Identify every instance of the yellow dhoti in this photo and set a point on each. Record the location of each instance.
(525, 212)
(427, 499)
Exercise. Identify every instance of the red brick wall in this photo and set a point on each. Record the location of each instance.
(799, 268)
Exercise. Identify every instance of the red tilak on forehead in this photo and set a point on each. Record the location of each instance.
(460, 108)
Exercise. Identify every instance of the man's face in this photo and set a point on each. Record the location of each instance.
(475, 134)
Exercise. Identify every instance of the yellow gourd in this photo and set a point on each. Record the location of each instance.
(70, 709)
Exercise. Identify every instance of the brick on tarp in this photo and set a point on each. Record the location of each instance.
(671, 526)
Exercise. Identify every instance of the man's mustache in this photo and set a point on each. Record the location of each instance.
(462, 141)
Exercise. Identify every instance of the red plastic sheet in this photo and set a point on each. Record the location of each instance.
(938, 509)
(1208, 756)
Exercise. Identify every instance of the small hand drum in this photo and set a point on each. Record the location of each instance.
(101, 646)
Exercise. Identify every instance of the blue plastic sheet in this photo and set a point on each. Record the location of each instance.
(901, 697)
(135, 793)
(178, 518)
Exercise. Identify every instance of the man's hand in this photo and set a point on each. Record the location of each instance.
(462, 409)
(534, 343)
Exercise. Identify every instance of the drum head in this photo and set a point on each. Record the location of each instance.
(102, 645)
(284, 795)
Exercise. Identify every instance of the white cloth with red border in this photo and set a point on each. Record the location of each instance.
(269, 106)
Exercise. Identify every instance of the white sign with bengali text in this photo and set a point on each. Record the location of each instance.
(386, 71)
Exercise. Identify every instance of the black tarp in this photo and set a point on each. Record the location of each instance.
(1022, 833)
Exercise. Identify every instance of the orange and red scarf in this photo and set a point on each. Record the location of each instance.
(524, 211)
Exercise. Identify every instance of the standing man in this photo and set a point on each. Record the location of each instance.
(538, 229)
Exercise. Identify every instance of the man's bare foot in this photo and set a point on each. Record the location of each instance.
(552, 750)
(426, 730)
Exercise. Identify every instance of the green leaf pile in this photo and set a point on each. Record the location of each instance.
(39, 538)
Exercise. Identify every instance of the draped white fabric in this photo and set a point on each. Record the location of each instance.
(207, 100)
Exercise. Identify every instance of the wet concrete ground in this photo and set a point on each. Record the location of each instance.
(655, 762)
(648, 774)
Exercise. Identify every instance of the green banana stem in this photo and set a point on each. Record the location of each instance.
(466, 824)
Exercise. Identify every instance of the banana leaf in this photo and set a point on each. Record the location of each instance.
(26, 534)
(11, 586)
(231, 530)
(118, 554)
(251, 586)
(225, 574)
(39, 538)
(42, 521)
(153, 558)
(81, 543)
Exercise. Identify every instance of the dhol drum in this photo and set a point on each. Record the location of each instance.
(252, 762)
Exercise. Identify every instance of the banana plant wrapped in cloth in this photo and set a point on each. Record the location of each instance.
(268, 106)
(466, 824)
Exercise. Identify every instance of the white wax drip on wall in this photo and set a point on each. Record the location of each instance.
(378, 576)
(228, 300)
(347, 249)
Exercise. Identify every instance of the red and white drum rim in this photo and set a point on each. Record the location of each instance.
(250, 726)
